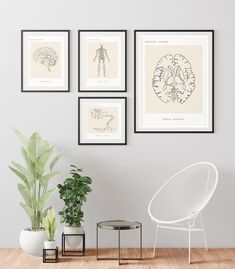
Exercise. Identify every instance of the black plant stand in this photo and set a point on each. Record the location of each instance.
(51, 258)
(75, 252)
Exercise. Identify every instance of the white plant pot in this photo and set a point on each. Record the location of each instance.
(31, 242)
(50, 244)
(73, 241)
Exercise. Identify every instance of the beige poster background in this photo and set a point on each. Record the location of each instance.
(107, 124)
(39, 70)
(111, 67)
(153, 104)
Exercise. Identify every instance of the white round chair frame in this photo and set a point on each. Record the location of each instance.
(187, 223)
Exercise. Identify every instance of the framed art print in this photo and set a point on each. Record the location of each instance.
(45, 60)
(102, 60)
(102, 121)
(174, 81)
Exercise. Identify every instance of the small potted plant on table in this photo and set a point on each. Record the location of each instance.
(50, 225)
(73, 192)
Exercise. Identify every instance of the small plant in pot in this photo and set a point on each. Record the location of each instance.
(73, 192)
(50, 225)
(35, 175)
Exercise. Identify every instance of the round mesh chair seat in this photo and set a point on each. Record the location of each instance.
(185, 194)
(181, 199)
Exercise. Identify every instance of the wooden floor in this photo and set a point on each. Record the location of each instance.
(166, 258)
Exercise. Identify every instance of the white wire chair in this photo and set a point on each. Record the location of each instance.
(178, 203)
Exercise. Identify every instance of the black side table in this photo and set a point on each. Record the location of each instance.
(52, 258)
(118, 225)
(76, 252)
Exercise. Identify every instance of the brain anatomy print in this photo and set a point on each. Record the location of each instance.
(173, 79)
(46, 56)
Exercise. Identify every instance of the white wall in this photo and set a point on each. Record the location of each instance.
(124, 177)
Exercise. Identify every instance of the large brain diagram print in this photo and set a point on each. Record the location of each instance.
(46, 56)
(173, 79)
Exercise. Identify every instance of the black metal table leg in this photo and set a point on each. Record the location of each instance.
(140, 241)
(63, 245)
(97, 245)
(84, 244)
(119, 246)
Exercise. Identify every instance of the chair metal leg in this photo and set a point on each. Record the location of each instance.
(155, 242)
(203, 231)
(189, 245)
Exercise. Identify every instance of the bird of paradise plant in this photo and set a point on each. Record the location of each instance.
(39, 162)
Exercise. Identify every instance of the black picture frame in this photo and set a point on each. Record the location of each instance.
(79, 60)
(22, 59)
(212, 80)
(101, 143)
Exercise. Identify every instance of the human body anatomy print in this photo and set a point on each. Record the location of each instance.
(101, 55)
(45, 60)
(102, 60)
(174, 81)
(102, 120)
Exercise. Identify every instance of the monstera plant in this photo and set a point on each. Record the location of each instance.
(35, 175)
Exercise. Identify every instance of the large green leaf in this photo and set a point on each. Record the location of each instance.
(21, 137)
(43, 146)
(44, 198)
(39, 152)
(28, 210)
(32, 166)
(20, 168)
(44, 212)
(32, 147)
(25, 192)
(55, 160)
(42, 160)
(24, 171)
(45, 179)
(25, 156)
(36, 147)
(19, 174)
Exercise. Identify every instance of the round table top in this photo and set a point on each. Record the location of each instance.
(118, 225)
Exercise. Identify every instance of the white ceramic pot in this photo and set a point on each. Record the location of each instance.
(73, 241)
(32, 242)
(50, 244)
